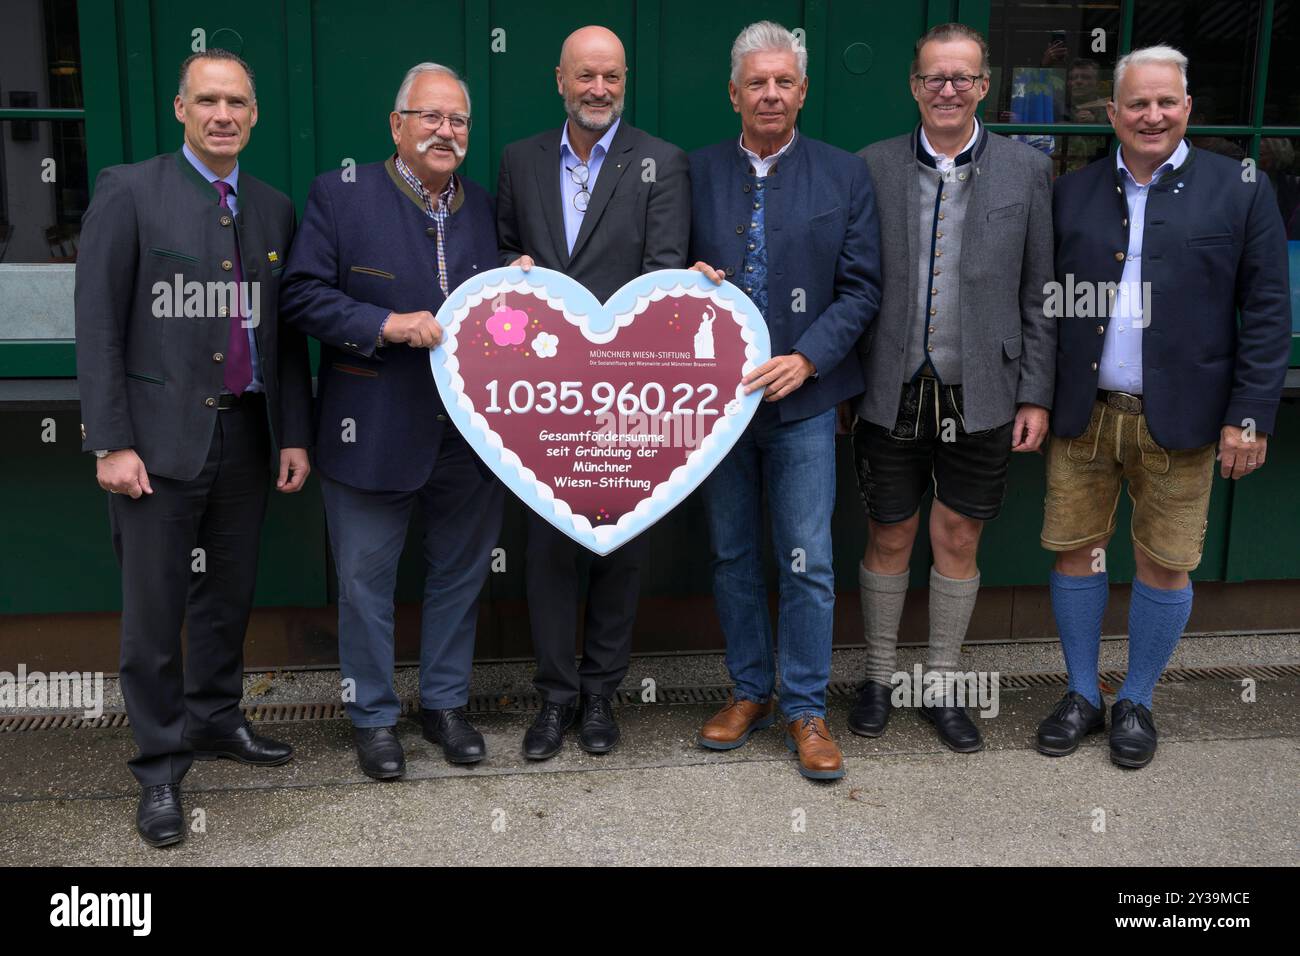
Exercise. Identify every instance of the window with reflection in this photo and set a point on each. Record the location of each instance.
(1219, 38)
(1051, 62)
(44, 184)
(1279, 159)
(1282, 92)
(43, 179)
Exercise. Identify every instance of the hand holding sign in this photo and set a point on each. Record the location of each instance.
(601, 418)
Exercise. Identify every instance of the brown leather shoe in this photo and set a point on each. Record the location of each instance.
(819, 757)
(730, 727)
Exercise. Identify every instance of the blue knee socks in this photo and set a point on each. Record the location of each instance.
(1079, 603)
(1156, 619)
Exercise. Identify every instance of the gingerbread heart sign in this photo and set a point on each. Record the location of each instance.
(601, 418)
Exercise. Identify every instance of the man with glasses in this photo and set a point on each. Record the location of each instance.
(1182, 366)
(959, 369)
(602, 202)
(380, 248)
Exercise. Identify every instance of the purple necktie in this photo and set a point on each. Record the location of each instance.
(239, 361)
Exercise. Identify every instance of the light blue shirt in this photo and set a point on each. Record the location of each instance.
(569, 189)
(233, 178)
(1120, 369)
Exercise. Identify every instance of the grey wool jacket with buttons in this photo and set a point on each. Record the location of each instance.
(1007, 342)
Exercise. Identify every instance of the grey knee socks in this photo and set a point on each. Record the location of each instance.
(882, 609)
(951, 604)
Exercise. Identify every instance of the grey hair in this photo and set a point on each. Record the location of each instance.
(762, 36)
(1150, 54)
(403, 99)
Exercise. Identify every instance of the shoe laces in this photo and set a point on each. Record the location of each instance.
(600, 706)
(162, 793)
(808, 725)
(1139, 715)
(1063, 707)
(551, 713)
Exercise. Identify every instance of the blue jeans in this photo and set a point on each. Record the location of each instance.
(795, 463)
(461, 508)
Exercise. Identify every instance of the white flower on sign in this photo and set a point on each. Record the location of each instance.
(544, 345)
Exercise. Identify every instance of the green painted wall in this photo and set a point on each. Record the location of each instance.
(327, 71)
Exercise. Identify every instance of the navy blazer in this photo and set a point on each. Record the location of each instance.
(823, 237)
(365, 249)
(1214, 251)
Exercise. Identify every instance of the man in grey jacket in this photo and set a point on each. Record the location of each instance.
(959, 368)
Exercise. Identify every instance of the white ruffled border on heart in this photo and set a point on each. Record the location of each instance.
(681, 476)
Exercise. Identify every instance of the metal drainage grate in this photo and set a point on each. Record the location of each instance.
(700, 694)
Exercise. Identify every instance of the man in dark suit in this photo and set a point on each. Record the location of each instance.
(603, 203)
(1174, 332)
(184, 403)
(792, 221)
(376, 256)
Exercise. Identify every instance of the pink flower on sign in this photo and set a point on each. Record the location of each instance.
(507, 326)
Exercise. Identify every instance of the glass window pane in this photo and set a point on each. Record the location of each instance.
(1070, 152)
(1051, 62)
(40, 55)
(1282, 93)
(43, 190)
(1280, 158)
(1219, 39)
(1236, 147)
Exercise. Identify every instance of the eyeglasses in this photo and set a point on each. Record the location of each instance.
(580, 174)
(432, 119)
(934, 82)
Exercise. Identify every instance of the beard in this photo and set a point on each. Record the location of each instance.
(578, 112)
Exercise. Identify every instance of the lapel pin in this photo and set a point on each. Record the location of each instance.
(272, 256)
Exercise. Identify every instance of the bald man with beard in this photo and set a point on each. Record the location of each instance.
(602, 202)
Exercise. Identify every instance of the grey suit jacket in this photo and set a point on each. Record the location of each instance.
(636, 222)
(149, 379)
(1008, 344)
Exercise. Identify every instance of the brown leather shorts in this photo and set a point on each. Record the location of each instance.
(1170, 490)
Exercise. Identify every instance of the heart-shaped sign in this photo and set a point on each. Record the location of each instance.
(601, 418)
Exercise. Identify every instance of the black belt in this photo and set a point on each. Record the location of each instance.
(1122, 401)
(228, 400)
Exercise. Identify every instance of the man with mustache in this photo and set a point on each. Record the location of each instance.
(378, 253)
(1182, 366)
(602, 202)
(184, 414)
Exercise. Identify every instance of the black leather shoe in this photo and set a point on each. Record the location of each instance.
(1132, 734)
(1072, 719)
(871, 711)
(599, 732)
(545, 737)
(158, 817)
(379, 752)
(243, 745)
(450, 729)
(955, 728)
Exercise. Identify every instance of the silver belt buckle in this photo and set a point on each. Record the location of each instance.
(1125, 402)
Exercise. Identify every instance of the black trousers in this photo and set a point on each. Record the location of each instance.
(166, 584)
(553, 567)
